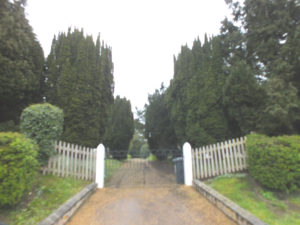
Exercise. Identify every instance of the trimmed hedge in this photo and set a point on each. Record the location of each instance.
(44, 124)
(18, 166)
(274, 161)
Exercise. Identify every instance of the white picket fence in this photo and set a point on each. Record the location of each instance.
(72, 161)
(220, 158)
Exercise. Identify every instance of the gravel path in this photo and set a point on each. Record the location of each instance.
(173, 205)
(140, 172)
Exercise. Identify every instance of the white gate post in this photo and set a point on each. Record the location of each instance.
(100, 166)
(187, 164)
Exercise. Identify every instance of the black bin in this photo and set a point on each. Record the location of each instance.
(178, 166)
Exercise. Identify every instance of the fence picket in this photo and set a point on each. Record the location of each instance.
(75, 162)
(212, 160)
(67, 159)
(220, 160)
(194, 163)
(204, 161)
(207, 159)
(63, 159)
(54, 162)
(80, 163)
(87, 164)
(216, 159)
(94, 162)
(229, 147)
(200, 162)
(237, 166)
(91, 168)
(243, 140)
(197, 164)
(59, 159)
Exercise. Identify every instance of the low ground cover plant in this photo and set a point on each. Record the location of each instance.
(274, 161)
(18, 167)
(272, 207)
(46, 195)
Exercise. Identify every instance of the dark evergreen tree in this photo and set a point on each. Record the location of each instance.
(120, 128)
(245, 97)
(52, 75)
(158, 128)
(194, 90)
(21, 62)
(272, 39)
(176, 94)
(76, 82)
(138, 139)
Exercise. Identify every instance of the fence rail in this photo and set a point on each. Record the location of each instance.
(72, 161)
(217, 159)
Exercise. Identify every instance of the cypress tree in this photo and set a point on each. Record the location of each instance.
(76, 83)
(193, 97)
(52, 75)
(21, 62)
(120, 128)
(176, 94)
(158, 128)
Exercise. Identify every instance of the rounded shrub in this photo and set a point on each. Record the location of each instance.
(145, 152)
(274, 162)
(18, 165)
(44, 124)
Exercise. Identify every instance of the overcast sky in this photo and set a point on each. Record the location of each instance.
(143, 35)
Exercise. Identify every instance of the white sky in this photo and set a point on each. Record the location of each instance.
(143, 35)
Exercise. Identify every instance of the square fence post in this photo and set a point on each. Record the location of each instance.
(187, 164)
(100, 166)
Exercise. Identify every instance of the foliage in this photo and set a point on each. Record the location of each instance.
(158, 128)
(270, 44)
(9, 126)
(242, 191)
(152, 158)
(21, 62)
(135, 153)
(120, 128)
(79, 80)
(50, 192)
(111, 167)
(275, 162)
(244, 97)
(138, 139)
(145, 152)
(18, 166)
(194, 98)
(42, 123)
(268, 195)
(244, 79)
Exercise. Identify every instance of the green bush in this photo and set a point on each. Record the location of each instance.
(274, 162)
(135, 153)
(18, 166)
(145, 152)
(44, 124)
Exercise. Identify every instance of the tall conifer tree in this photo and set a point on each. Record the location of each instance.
(21, 62)
(76, 83)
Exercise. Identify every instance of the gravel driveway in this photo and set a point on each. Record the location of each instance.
(173, 205)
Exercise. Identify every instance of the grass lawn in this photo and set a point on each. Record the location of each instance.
(111, 167)
(46, 195)
(273, 207)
